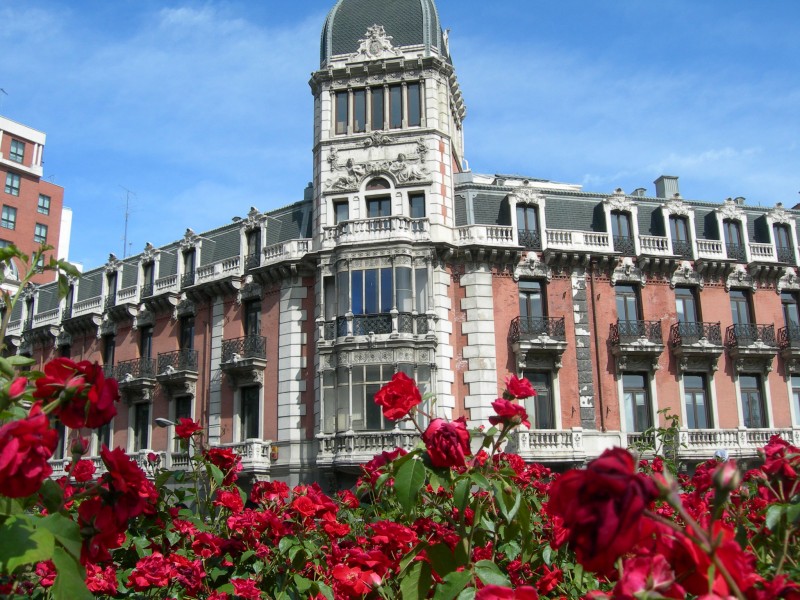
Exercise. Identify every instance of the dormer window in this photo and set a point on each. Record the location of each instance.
(148, 278)
(528, 226)
(734, 242)
(679, 231)
(379, 183)
(783, 242)
(622, 232)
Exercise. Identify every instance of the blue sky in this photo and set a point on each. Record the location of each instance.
(202, 109)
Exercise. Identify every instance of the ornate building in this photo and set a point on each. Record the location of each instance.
(276, 330)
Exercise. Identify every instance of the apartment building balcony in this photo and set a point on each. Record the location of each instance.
(683, 249)
(163, 293)
(696, 345)
(244, 359)
(13, 333)
(751, 346)
(83, 316)
(712, 258)
(136, 378)
(281, 260)
(789, 344)
(549, 445)
(531, 240)
(42, 327)
(177, 371)
(349, 450)
(565, 247)
(122, 304)
(538, 337)
(702, 444)
(786, 255)
(256, 457)
(380, 229)
(393, 324)
(636, 344)
(220, 278)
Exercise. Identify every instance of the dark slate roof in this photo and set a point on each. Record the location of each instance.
(289, 223)
(130, 274)
(491, 209)
(47, 299)
(575, 213)
(90, 285)
(461, 210)
(408, 22)
(168, 261)
(220, 245)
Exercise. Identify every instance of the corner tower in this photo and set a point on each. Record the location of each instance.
(388, 141)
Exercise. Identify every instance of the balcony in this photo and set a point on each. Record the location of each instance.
(636, 345)
(123, 303)
(789, 344)
(83, 316)
(696, 345)
(136, 378)
(786, 255)
(244, 359)
(349, 450)
(736, 252)
(394, 324)
(219, 278)
(701, 444)
(683, 249)
(536, 338)
(381, 229)
(177, 371)
(653, 245)
(487, 235)
(763, 253)
(291, 250)
(549, 445)
(163, 293)
(532, 240)
(255, 454)
(624, 245)
(751, 346)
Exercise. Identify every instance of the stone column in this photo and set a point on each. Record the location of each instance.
(583, 348)
(291, 361)
(215, 379)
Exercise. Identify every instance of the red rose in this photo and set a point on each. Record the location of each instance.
(25, 447)
(352, 582)
(128, 489)
(509, 413)
(86, 397)
(227, 461)
(186, 428)
(519, 387)
(497, 592)
(447, 443)
(17, 388)
(82, 471)
(247, 589)
(601, 507)
(398, 396)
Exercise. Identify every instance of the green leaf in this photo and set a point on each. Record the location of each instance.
(417, 582)
(774, 515)
(162, 478)
(69, 583)
(407, 483)
(511, 549)
(490, 573)
(547, 555)
(52, 495)
(17, 360)
(23, 543)
(6, 368)
(467, 594)
(66, 532)
(452, 585)
(9, 506)
(461, 495)
(216, 474)
(302, 584)
(480, 480)
(442, 559)
(325, 590)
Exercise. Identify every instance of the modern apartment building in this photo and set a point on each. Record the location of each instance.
(275, 330)
(32, 208)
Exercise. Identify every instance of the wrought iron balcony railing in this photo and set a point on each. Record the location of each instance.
(410, 323)
(187, 279)
(682, 248)
(147, 290)
(366, 324)
(736, 252)
(624, 245)
(530, 239)
(111, 301)
(139, 368)
(531, 327)
(682, 334)
(251, 261)
(785, 254)
(627, 332)
(747, 334)
(180, 360)
(249, 346)
(789, 337)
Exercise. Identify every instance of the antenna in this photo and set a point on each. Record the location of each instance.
(5, 93)
(127, 215)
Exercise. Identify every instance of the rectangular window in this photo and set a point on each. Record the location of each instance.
(783, 242)
(531, 300)
(740, 307)
(627, 303)
(252, 317)
(734, 243)
(183, 410)
(791, 317)
(148, 278)
(109, 347)
(679, 230)
(404, 293)
(637, 402)
(9, 217)
(254, 242)
(540, 407)
(421, 288)
(12, 184)
(686, 305)
(377, 121)
(395, 107)
(249, 413)
(696, 398)
(379, 207)
(752, 401)
(622, 232)
(341, 112)
(528, 226)
(186, 341)
(40, 233)
(146, 342)
(359, 111)
(44, 205)
(414, 105)
(141, 426)
(188, 268)
(341, 211)
(416, 205)
(367, 380)
(17, 153)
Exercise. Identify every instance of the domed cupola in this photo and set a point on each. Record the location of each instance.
(406, 22)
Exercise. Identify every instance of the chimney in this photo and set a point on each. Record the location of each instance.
(638, 193)
(666, 186)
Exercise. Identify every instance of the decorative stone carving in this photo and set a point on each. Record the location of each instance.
(685, 275)
(249, 291)
(375, 45)
(107, 327)
(185, 308)
(789, 281)
(143, 318)
(190, 240)
(405, 168)
(527, 195)
(676, 206)
(237, 379)
(30, 291)
(149, 253)
(626, 271)
(113, 264)
(531, 267)
(377, 138)
(740, 278)
(730, 210)
(619, 201)
(253, 219)
(779, 214)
